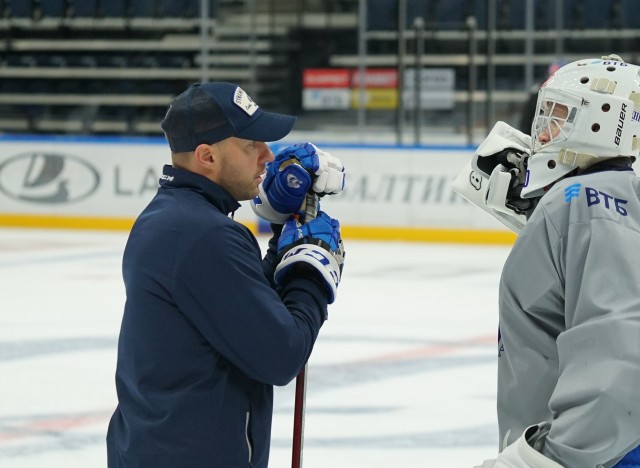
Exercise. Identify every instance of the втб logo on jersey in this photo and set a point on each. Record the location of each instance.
(47, 178)
(596, 197)
(572, 191)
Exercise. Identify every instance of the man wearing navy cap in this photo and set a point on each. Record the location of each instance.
(209, 326)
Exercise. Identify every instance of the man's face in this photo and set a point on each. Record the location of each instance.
(240, 164)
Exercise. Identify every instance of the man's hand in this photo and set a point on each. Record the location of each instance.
(316, 243)
(296, 170)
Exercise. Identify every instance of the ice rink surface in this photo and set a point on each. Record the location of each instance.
(402, 375)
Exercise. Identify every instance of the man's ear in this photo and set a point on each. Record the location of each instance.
(205, 155)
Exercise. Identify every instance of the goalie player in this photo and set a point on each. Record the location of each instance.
(569, 338)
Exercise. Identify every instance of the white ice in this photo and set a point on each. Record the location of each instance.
(402, 375)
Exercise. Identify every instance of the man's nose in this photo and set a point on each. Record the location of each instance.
(265, 153)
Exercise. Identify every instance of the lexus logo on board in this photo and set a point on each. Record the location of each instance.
(47, 178)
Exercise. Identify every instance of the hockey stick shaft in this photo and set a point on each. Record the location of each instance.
(311, 211)
(298, 418)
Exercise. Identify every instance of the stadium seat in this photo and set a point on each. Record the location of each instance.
(569, 7)
(382, 15)
(451, 14)
(111, 8)
(597, 13)
(478, 9)
(82, 60)
(544, 15)
(144, 8)
(52, 8)
(20, 8)
(510, 14)
(191, 8)
(628, 16)
(53, 61)
(114, 61)
(22, 60)
(421, 9)
(143, 61)
(85, 8)
(179, 8)
(173, 61)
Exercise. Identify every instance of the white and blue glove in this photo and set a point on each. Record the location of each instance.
(295, 171)
(316, 243)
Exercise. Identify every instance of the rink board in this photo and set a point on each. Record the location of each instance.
(391, 192)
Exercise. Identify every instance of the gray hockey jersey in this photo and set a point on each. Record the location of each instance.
(569, 339)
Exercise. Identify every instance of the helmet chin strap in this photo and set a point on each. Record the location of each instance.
(584, 160)
(573, 158)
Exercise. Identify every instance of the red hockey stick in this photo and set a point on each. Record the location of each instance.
(298, 418)
(311, 210)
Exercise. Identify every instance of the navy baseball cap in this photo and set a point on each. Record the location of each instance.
(210, 112)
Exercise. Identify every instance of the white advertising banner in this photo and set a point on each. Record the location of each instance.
(404, 187)
(328, 98)
(385, 186)
(65, 177)
(437, 88)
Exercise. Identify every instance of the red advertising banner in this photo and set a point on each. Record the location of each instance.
(378, 78)
(326, 78)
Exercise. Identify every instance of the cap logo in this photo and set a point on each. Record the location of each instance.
(244, 102)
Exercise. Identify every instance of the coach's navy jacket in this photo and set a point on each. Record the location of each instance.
(204, 335)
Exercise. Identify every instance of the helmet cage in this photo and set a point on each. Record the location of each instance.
(555, 117)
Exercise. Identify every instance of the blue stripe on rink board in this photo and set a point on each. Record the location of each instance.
(129, 140)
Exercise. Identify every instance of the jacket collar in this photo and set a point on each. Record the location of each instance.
(173, 177)
(622, 163)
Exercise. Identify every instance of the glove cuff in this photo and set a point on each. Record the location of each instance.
(262, 208)
(317, 256)
(535, 435)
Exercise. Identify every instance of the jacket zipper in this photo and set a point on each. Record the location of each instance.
(246, 434)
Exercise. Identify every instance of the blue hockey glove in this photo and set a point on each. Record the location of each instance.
(316, 243)
(295, 171)
(326, 170)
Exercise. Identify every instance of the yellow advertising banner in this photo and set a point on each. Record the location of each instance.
(375, 98)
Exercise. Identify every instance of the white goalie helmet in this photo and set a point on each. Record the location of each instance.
(587, 111)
